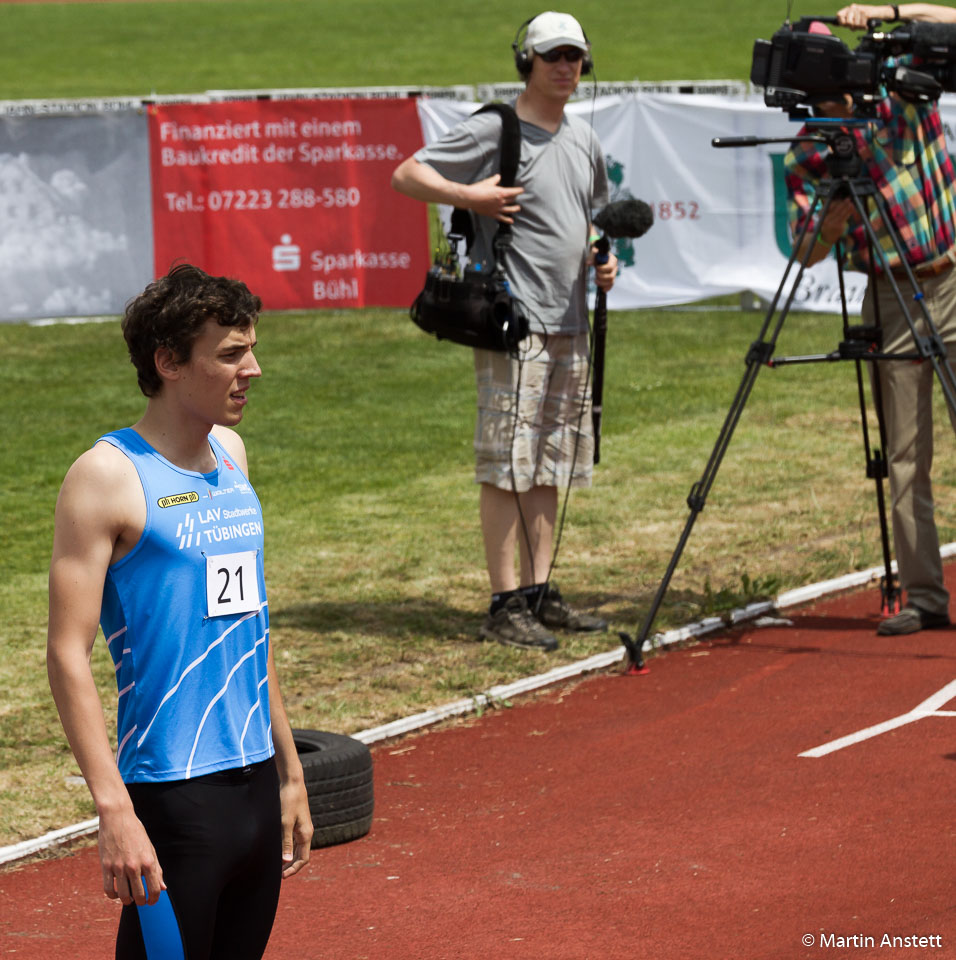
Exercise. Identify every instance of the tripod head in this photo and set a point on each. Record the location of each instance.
(843, 156)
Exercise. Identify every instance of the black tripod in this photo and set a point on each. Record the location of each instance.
(845, 178)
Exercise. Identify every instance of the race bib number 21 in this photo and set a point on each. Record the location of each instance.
(232, 585)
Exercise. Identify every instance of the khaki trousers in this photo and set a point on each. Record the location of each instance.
(534, 425)
(907, 388)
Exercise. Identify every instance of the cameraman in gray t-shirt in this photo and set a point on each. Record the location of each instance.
(533, 432)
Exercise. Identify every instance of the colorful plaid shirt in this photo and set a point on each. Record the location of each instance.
(905, 154)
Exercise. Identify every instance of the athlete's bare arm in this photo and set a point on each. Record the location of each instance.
(100, 515)
(294, 799)
(293, 796)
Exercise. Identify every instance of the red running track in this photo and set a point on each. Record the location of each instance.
(668, 816)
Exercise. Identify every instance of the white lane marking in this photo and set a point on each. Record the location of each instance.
(928, 708)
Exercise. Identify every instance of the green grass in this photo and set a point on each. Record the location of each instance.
(359, 437)
(109, 49)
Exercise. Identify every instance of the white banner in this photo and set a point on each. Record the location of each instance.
(720, 222)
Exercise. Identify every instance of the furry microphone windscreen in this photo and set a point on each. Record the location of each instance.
(625, 218)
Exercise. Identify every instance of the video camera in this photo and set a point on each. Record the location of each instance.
(800, 67)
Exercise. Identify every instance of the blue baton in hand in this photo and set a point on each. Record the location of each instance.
(161, 933)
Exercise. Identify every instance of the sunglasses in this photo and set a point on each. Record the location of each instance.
(571, 54)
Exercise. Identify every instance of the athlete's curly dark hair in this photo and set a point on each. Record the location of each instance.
(171, 312)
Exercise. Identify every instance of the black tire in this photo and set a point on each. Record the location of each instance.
(338, 779)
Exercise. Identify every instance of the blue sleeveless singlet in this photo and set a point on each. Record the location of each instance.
(186, 621)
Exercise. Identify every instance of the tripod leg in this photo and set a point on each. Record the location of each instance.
(876, 470)
(890, 591)
(876, 466)
(760, 353)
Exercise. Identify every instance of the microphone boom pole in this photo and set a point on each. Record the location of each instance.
(623, 218)
(602, 255)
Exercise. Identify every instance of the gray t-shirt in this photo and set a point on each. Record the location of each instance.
(564, 179)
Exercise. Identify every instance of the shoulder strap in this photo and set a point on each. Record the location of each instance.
(509, 157)
(510, 140)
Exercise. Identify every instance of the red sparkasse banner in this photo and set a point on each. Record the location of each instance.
(292, 197)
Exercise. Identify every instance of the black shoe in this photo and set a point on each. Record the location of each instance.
(912, 619)
(557, 614)
(514, 625)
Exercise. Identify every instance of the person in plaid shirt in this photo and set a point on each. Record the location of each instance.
(904, 153)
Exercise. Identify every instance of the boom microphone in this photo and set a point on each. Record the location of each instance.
(625, 218)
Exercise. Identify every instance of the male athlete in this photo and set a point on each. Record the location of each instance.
(159, 538)
(533, 433)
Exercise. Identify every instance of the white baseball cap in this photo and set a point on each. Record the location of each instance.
(551, 30)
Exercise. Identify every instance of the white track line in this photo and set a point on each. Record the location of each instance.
(928, 708)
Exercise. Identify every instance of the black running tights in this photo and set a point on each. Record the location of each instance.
(219, 843)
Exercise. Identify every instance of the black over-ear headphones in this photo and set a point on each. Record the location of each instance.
(523, 57)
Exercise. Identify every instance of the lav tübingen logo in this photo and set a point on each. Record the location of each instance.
(178, 498)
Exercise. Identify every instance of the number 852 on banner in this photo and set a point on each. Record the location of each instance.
(676, 209)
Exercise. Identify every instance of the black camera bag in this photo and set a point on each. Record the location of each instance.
(476, 309)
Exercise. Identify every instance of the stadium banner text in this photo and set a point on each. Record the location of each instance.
(292, 197)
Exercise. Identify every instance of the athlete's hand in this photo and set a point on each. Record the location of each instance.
(127, 858)
(490, 200)
(296, 827)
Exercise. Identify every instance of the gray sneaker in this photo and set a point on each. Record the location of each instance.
(912, 619)
(514, 625)
(555, 612)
